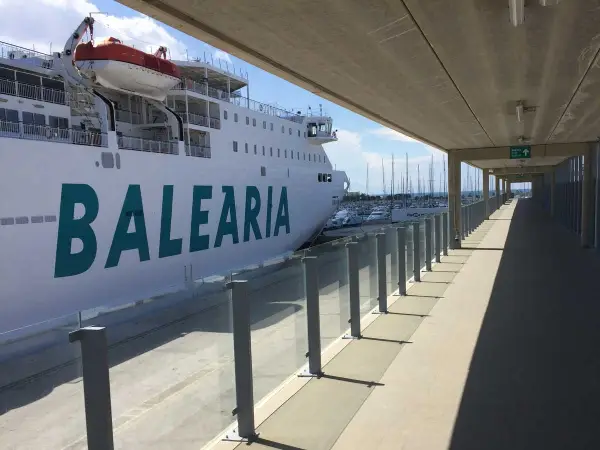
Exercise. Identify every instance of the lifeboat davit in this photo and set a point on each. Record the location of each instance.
(114, 65)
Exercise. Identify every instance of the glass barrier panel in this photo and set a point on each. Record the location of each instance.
(278, 323)
(171, 368)
(41, 389)
(422, 243)
(367, 269)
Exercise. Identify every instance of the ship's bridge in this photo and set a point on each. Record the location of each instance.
(319, 130)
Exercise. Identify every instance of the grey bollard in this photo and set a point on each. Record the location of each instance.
(96, 386)
(416, 252)
(381, 273)
(353, 288)
(242, 354)
(313, 319)
(438, 237)
(401, 249)
(428, 246)
(445, 231)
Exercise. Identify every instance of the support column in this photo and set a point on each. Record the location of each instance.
(586, 196)
(503, 189)
(508, 190)
(486, 193)
(498, 201)
(454, 200)
(553, 192)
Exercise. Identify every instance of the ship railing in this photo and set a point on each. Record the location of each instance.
(198, 119)
(198, 151)
(147, 145)
(27, 131)
(238, 100)
(10, 51)
(10, 87)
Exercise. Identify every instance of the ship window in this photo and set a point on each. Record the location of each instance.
(264, 124)
(305, 134)
(33, 119)
(235, 117)
(312, 130)
(290, 131)
(320, 178)
(246, 147)
(271, 126)
(255, 152)
(263, 171)
(292, 154)
(247, 120)
(329, 178)
(279, 153)
(304, 155)
(263, 150)
(319, 158)
(271, 151)
(253, 122)
(225, 115)
(298, 133)
(314, 157)
(58, 122)
(282, 129)
(9, 115)
(285, 153)
(309, 157)
(235, 146)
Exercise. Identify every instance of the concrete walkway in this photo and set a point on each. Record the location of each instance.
(495, 349)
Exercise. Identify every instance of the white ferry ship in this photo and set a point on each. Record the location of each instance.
(124, 175)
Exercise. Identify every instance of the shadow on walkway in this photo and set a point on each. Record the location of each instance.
(534, 381)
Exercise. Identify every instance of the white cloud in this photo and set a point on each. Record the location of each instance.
(350, 154)
(45, 23)
(220, 54)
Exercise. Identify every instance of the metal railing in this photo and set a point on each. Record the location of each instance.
(147, 145)
(9, 87)
(198, 151)
(198, 119)
(20, 130)
(10, 51)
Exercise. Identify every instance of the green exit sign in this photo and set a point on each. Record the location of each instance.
(520, 152)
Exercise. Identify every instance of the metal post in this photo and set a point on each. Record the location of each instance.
(428, 249)
(313, 320)
(445, 232)
(242, 352)
(381, 273)
(96, 386)
(353, 288)
(438, 237)
(463, 210)
(586, 200)
(416, 251)
(401, 249)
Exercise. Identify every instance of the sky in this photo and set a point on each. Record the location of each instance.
(46, 24)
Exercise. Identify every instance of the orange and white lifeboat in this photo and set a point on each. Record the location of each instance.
(113, 65)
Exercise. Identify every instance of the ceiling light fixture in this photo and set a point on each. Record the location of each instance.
(549, 2)
(517, 12)
(520, 111)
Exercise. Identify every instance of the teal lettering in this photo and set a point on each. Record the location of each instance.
(167, 246)
(251, 213)
(66, 263)
(199, 217)
(269, 209)
(138, 239)
(227, 226)
(283, 216)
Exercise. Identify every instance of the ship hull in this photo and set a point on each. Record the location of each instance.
(152, 233)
